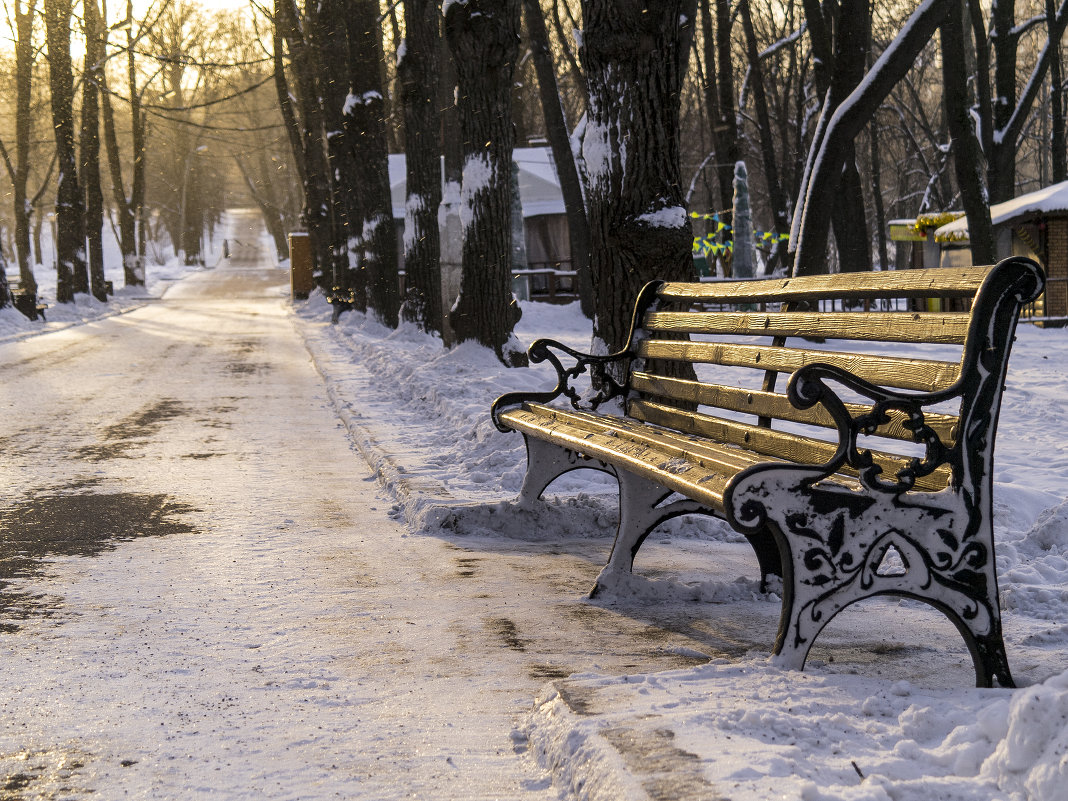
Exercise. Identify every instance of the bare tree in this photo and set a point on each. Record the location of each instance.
(95, 32)
(484, 38)
(71, 273)
(635, 56)
(833, 146)
(418, 71)
(559, 140)
(365, 126)
(20, 171)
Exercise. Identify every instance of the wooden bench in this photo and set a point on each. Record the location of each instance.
(870, 447)
(26, 302)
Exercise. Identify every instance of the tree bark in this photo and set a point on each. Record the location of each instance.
(639, 227)
(418, 72)
(560, 142)
(315, 213)
(834, 143)
(1005, 120)
(134, 269)
(71, 273)
(719, 96)
(24, 13)
(776, 197)
(365, 126)
(484, 38)
(967, 155)
(1058, 139)
(90, 147)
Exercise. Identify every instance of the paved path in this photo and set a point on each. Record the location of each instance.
(247, 626)
(252, 622)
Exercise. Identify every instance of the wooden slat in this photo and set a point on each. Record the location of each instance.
(673, 470)
(778, 406)
(942, 282)
(788, 447)
(727, 459)
(948, 328)
(925, 375)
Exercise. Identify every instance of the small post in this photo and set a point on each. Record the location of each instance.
(300, 265)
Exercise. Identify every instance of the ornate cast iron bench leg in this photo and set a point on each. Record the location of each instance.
(546, 462)
(836, 542)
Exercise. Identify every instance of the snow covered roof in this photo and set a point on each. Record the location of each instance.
(1052, 199)
(539, 188)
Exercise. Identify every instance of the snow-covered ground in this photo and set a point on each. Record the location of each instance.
(884, 710)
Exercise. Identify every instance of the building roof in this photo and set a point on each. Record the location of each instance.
(539, 188)
(1051, 200)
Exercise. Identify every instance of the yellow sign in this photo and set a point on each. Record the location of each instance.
(906, 232)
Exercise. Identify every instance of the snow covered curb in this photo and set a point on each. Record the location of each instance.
(748, 732)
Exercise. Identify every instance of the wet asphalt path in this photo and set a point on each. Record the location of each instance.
(203, 594)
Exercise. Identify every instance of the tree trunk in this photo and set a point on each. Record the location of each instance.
(123, 207)
(134, 269)
(484, 38)
(1009, 115)
(365, 125)
(776, 197)
(877, 194)
(834, 141)
(639, 227)
(418, 72)
(331, 41)
(90, 147)
(1058, 139)
(719, 96)
(315, 213)
(560, 142)
(967, 156)
(71, 273)
(23, 91)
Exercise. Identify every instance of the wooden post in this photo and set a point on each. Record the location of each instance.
(300, 265)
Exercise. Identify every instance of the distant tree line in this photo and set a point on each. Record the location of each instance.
(846, 112)
(138, 123)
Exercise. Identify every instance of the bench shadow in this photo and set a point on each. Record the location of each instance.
(725, 618)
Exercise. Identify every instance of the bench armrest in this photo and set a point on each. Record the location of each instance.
(541, 350)
(606, 384)
(808, 386)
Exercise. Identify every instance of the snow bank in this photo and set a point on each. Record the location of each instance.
(842, 730)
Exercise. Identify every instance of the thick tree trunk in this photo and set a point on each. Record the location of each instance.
(71, 273)
(639, 226)
(419, 71)
(331, 40)
(365, 125)
(484, 38)
(90, 147)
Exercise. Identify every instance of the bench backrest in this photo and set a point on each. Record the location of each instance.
(919, 331)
